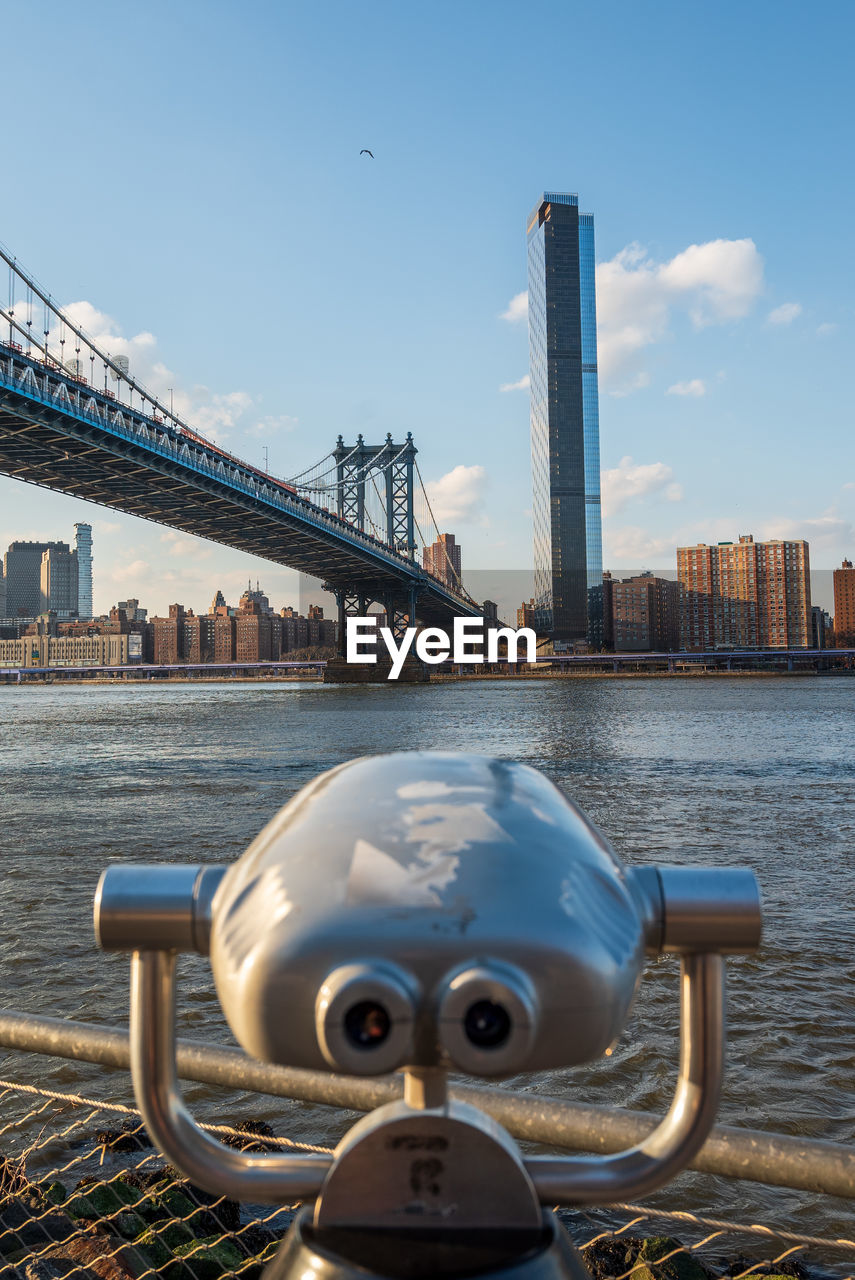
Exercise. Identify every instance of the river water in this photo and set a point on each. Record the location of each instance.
(722, 771)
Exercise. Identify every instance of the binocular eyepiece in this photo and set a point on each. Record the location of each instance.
(428, 912)
(366, 1017)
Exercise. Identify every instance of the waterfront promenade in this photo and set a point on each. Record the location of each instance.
(724, 662)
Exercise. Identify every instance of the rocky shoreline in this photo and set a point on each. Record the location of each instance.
(148, 1220)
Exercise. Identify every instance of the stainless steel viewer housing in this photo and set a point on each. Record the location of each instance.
(428, 912)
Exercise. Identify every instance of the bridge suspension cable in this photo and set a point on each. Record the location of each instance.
(65, 348)
(451, 575)
(311, 471)
(55, 353)
(327, 486)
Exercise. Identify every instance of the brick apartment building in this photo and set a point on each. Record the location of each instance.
(525, 614)
(199, 638)
(644, 614)
(844, 606)
(253, 634)
(250, 633)
(635, 615)
(168, 637)
(744, 595)
(224, 637)
(442, 559)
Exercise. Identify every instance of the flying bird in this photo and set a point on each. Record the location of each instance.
(366, 152)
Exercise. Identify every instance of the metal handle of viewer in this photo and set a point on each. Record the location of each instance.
(155, 907)
(277, 1179)
(156, 911)
(168, 906)
(683, 1131)
(222, 1170)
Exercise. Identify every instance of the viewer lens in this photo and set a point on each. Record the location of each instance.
(487, 1025)
(367, 1024)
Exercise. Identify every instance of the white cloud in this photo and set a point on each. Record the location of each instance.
(213, 414)
(822, 532)
(785, 314)
(721, 279)
(128, 573)
(517, 308)
(714, 283)
(103, 330)
(522, 385)
(180, 544)
(456, 497)
(825, 330)
(631, 479)
(216, 414)
(693, 388)
(632, 546)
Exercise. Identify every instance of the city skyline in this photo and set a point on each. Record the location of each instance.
(821, 589)
(505, 587)
(709, 309)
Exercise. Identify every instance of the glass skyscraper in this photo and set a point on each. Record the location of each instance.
(565, 430)
(83, 545)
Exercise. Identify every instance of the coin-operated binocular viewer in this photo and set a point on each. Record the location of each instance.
(427, 913)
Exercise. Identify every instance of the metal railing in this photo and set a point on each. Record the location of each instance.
(749, 1154)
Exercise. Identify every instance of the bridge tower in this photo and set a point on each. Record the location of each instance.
(394, 465)
(390, 467)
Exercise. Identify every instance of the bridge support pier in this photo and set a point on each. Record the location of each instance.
(353, 601)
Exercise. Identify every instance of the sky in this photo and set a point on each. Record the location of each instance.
(186, 179)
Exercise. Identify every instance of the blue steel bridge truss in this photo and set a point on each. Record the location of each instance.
(60, 431)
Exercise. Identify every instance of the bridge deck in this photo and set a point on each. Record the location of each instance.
(60, 433)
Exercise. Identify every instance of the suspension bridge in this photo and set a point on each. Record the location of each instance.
(74, 419)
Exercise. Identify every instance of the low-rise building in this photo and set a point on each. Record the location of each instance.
(66, 651)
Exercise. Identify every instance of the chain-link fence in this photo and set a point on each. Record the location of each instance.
(84, 1194)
